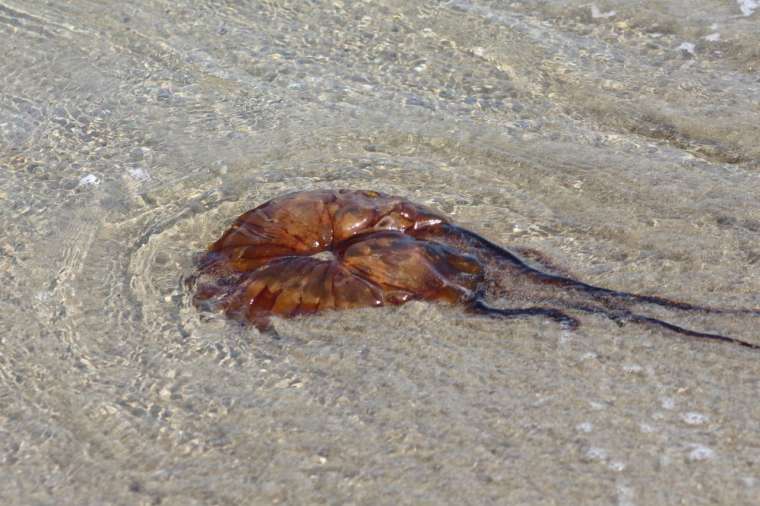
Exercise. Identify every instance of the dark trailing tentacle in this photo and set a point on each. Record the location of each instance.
(621, 317)
(487, 251)
(545, 288)
(568, 322)
(645, 320)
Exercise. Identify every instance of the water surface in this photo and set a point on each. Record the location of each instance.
(619, 139)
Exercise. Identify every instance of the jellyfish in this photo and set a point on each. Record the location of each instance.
(311, 251)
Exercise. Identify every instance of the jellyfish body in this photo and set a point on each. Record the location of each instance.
(272, 260)
(306, 252)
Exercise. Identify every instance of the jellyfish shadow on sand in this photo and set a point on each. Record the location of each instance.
(313, 251)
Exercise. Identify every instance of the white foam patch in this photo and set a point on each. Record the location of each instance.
(139, 174)
(597, 14)
(693, 418)
(595, 453)
(89, 180)
(748, 6)
(625, 496)
(699, 452)
(616, 465)
(687, 46)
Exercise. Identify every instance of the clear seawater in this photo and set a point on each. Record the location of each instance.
(621, 139)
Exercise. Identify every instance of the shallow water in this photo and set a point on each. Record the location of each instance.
(620, 140)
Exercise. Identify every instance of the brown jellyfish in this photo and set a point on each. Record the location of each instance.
(313, 251)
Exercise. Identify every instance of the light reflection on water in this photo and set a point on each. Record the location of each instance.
(620, 139)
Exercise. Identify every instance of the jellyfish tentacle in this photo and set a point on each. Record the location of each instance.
(645, 320)
(489, 252)
(573, 294)
(621, 317)
(567, 321)
(654, 322)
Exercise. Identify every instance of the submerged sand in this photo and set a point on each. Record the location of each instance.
(621, 141)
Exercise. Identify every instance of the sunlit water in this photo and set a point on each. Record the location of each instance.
(619, 138)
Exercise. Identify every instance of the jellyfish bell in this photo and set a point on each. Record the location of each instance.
(310, 222)
(364, 211)
(368, 270)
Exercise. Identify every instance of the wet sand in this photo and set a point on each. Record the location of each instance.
(620, 141)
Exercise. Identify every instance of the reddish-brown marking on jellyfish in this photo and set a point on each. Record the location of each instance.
(306, 252)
